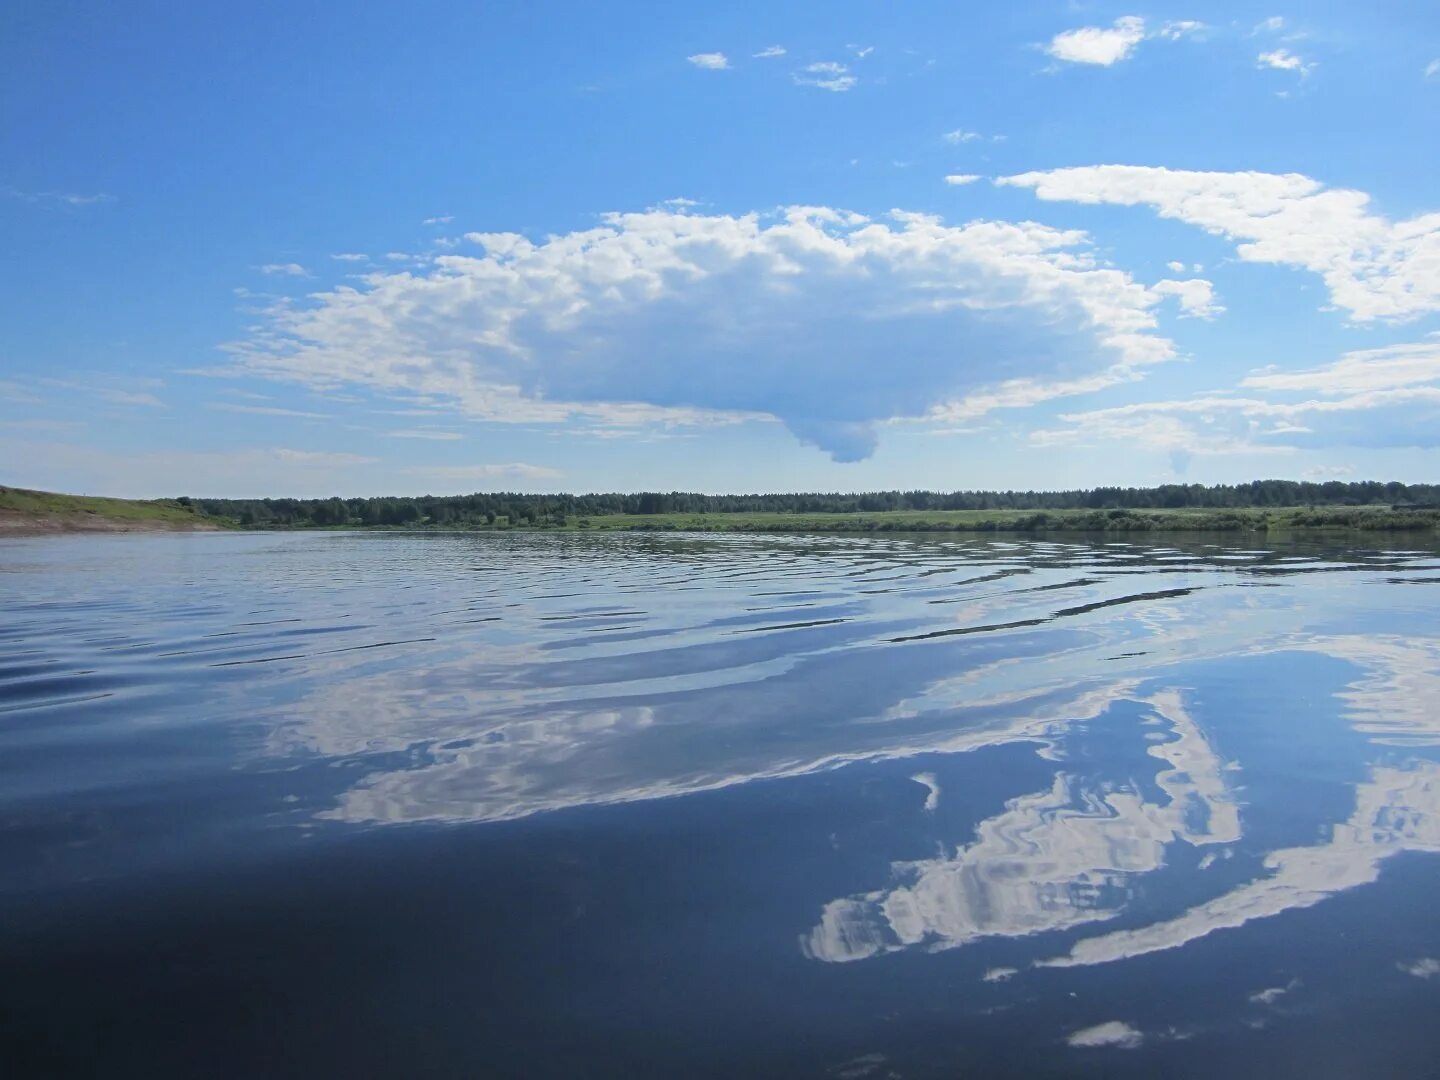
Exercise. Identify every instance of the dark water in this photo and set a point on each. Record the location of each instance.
(387, 805)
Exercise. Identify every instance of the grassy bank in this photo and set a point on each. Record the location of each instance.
(25, 512)
(1039, 521)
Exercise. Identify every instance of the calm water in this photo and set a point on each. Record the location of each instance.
(570, 805)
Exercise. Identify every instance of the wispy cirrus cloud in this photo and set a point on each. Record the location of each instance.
(265, 410)
(325, 458)
(431, 434)
(113, 390)
(824, 319)
(516, 470)
(18, 393)
(58, 198)
(128, 397)
(1376, 398)
(1359, 372)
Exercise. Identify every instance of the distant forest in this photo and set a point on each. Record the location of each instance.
(488, 508)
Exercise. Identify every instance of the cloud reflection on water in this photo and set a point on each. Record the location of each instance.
(1397, 810)
(1052, 860)
(747, 659)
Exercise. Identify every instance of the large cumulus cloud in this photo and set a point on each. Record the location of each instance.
(825, 320)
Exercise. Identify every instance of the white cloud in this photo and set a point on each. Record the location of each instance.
(821, 318)
(1095, 45)
(264, 410)
(61, 198)
(325, 458)
(1284, 60)
(1373, 397)
(1153, 425)
(769, 52)
(826, 75)
(350, 256)
(21, 395)
(59, 427)
(960, 135)
(128, 397)
(1196, 296)
(1023, 393)
(1174, 31)
(1374, 267)
(1113, 1033)
(513, 471)
(289, 269)
(1273, 25)
(443, 219)
(1358, 372)
(956, 179)
(425, 433)
(710, 61)
(1175, 267)
(1432, 69)
(130, 392)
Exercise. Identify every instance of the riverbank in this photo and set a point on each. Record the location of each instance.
(1039, 521)
(34, 513)
(1078, 522)
(44, 513)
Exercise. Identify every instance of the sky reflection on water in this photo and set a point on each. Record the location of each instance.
(893, 779)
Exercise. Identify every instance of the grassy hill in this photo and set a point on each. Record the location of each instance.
(24, 512)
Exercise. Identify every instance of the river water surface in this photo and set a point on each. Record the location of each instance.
(718, 805)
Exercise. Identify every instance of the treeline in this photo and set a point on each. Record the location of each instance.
(514, 508)
(1240, 519)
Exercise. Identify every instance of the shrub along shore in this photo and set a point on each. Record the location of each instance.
(1263, 506)
(1042, 521)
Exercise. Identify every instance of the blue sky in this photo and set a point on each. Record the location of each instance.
(312, 249)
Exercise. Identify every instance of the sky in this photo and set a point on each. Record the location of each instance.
(305, 249)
